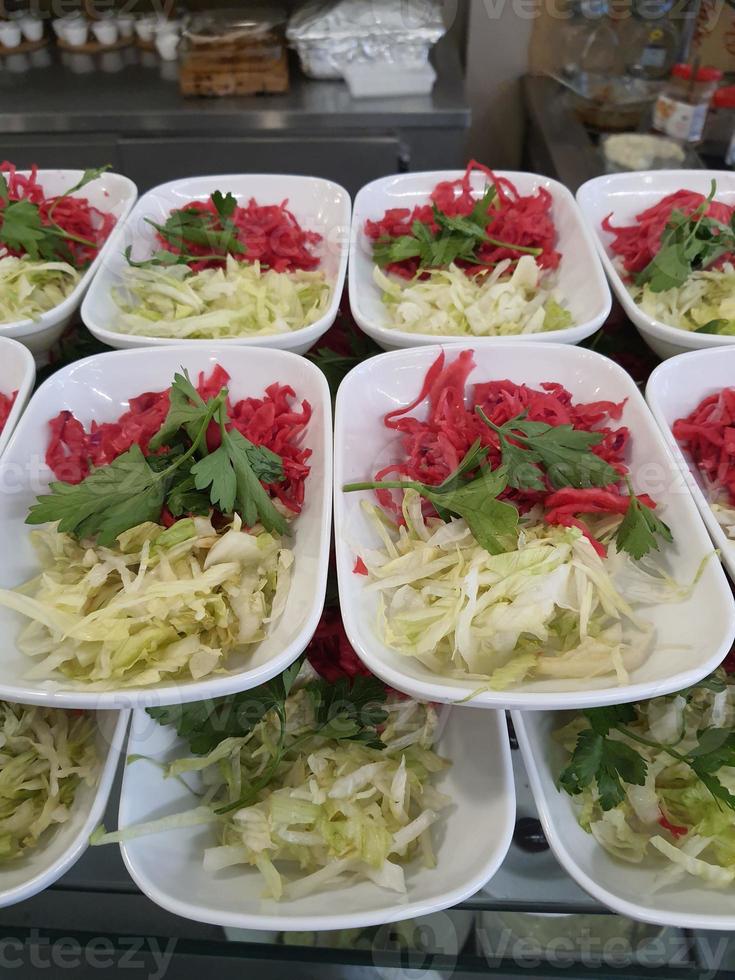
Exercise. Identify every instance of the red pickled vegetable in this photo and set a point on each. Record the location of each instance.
(672, 828)
(270, 233)
(434, 444)
(73, 214)
(270, 421)
(360, 567)
(638, 243)
(708, 433)
(330, 652)
(6, 405)
(520, 219)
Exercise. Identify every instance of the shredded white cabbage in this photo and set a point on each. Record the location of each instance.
(447, 301)
(29, 288)
(336, 811)
(703, 846)
(45, 755)
(162, 604)
(706, 296)
(550, 607)
(240, 300)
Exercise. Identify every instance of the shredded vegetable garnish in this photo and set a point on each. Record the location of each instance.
(447, 301)
(46, 754)
(708, 434)
(269, 234)
(655, 780)
(239, 300)
(332, 783)
(159, 604)
(677, 259)
(705, 303)
(519, 223)
(6, 407)
(273, 421)
(29, 288)
(516, 552)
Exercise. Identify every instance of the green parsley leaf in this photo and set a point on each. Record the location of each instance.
(225, 204)
(641, 530)
(22, 230)
(187, 410)
(215, 474)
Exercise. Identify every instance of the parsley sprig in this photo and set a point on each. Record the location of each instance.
(187, 479)
(191, 226)
(22, 228)
(493, 522)
(342, 711)
(563, 451)
(603, 756)
(689, 242)
(641, 530)
(457, 238)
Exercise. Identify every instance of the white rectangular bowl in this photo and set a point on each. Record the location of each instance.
(580, 277)
(471, 839)
(109, 192)
(674, 390)
(63, 847)
(17, 373)
(99, 388)
(623, 887)
(319, 205)
(623, 196)
(692, 636)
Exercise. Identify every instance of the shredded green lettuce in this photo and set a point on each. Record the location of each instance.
(240, 300)
(29, 288)
(549, 608)
(335, 811)
(447, 301)
(162, 604)
(705, 303)
(45, 755)
(673, 795)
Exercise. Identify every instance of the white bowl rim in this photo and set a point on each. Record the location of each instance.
(645, 322)
(24, 388)
(348, 920)
(215, 686)
(642, 913)
(304, 335)
(435, 690)
(405, 338)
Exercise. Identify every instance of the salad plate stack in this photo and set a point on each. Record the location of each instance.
(514, 528)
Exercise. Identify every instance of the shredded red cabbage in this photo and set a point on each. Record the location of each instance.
(435, 445)
(512, 217)
(637, 244)
(271, 421)
(75, 215)
(708, 433)
(270, 233)
(6, 405)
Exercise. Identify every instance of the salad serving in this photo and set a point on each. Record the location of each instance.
(517, 547)
(677, 261)
(46, 754)
(657, 779)
(224, 270)
(46, 242)
(463, 265)
(164, 546)
(313, 782)
(707, 434)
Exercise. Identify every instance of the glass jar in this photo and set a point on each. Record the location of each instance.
(681, 107)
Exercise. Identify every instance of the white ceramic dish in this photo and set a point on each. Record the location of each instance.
(110, 192)
(64, 846)
(692, 636)
(319, 205)
(168, 867)
(580, 278)
(98, 388)
(674, 390)
(623, 887)
(17, 373)
(626, 195)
